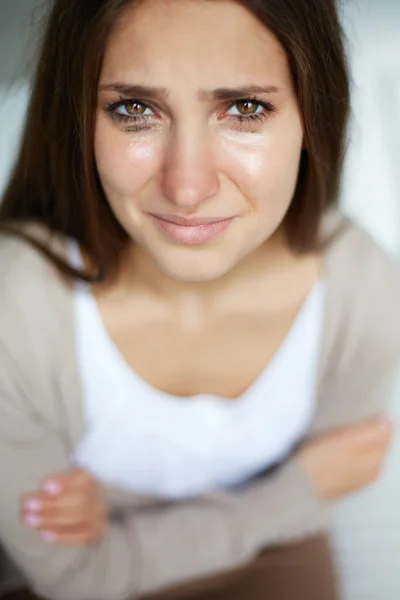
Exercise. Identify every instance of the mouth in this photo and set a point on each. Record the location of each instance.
(192, 232)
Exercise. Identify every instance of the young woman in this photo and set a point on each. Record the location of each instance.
(196, 349)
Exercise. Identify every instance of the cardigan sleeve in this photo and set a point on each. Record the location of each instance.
(146, 550)
(361, 361)
(143, 550)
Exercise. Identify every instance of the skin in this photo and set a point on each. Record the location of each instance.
(193, 157)
(70, 509)
(186, 306)
(206, 318)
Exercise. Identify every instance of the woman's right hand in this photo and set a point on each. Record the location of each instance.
(69, 509)
(348, 459)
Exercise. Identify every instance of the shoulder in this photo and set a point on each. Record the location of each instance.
(34, 297)
(26, 274)
(363, 284)
(354, 254)
(356, 264)
(36, 328)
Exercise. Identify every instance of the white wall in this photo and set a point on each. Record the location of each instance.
(13, 99)
(367, 533)
(372, 177)
(19, 27)
(367, 528)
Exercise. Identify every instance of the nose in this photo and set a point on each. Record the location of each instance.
(189, 174)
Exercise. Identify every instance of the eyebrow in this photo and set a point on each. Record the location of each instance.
(240, 92)
(160, 93)
(135, 91)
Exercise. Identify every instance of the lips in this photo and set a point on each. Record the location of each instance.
(194, 231)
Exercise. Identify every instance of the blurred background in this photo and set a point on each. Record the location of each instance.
(367, 528)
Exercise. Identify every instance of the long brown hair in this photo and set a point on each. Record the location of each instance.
(55, 182)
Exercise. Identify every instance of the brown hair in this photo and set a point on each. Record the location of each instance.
(55, 181)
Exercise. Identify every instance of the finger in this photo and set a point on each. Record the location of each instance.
(377, 432)
(64, 519)
(368, 425)
(74, 536)
(71, 509)
(71, 502)
(37, 502)
(40, 503)
(68, 508)
(75, 478)
(75, 503)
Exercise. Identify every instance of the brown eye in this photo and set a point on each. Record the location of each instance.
(135, 108)
(137, 114)
(247, 107)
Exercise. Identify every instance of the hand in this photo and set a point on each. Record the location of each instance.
(68, 510)
(348, 459)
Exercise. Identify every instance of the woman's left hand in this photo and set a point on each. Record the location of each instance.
(69, 509)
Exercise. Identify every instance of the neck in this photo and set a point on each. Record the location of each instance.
(139, 271)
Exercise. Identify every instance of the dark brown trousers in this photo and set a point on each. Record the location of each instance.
(301, 571)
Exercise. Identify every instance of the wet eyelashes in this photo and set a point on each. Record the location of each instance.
(139, 116)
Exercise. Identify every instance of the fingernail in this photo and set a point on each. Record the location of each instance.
(33, 520)
(32, 505)
(389, 421)
(52, 487)
(48, 536)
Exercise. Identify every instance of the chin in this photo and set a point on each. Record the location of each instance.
(194, 267)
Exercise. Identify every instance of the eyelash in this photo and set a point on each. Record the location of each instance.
(142, 122)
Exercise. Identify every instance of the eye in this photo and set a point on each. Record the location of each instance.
(135, 114)
(130, 108)
(246, 108)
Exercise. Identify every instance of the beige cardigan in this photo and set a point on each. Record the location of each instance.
(151, 545)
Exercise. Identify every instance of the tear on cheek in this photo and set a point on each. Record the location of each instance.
(141, 152)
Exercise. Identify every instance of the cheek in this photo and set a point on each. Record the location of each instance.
(265, 168)
(124, 164)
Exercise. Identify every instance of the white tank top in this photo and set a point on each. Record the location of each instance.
(150, 442)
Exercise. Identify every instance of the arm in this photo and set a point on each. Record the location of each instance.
(142, 552)
(145, 550)
(360, 369)
(347, 457)
(148, 550)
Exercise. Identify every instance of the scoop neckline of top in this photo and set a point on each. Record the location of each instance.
(253, 390)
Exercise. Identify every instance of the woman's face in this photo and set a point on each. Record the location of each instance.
(198, 133)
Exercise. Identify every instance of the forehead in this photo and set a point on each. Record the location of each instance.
(218, 42)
